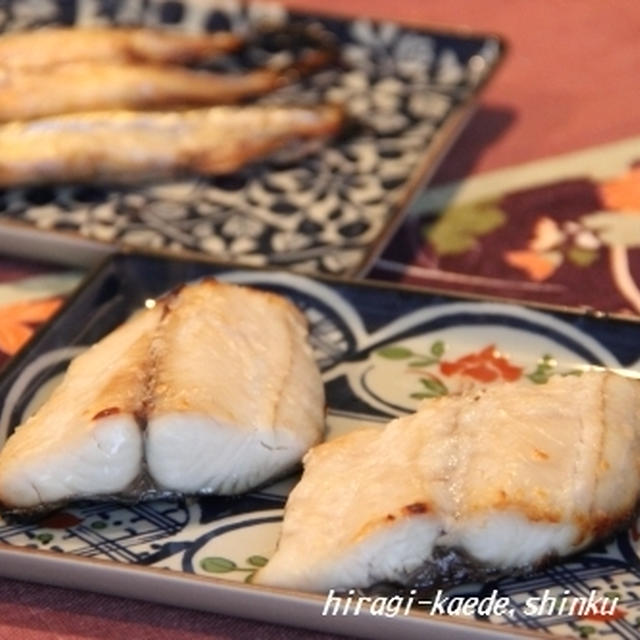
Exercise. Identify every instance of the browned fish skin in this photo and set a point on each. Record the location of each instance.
(44, 48)
(127, 146)
(88, 86)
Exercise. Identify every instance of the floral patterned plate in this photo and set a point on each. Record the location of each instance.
(382, 350)
(408, 91)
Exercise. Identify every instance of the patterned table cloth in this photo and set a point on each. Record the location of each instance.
(561, 231)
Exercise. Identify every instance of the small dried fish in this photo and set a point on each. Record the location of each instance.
(127, 146)
(87, 86)
(45, 48)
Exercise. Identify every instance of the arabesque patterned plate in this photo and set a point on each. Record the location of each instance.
(381, 350)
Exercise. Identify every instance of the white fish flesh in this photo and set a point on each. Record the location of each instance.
(85, 440)
(507, 476)
(128, 146)
(227, 418)
(213, 390)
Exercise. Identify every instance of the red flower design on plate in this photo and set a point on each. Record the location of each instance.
(486, 365)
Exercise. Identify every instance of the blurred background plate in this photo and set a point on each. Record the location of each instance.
(328, 211)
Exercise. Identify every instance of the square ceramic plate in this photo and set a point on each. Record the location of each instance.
(380, 350)
(409, 90)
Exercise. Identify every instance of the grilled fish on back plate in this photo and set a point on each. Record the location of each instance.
(212, 390)
(44, 48)
(126, 146)
(89, 86)
(506, 477)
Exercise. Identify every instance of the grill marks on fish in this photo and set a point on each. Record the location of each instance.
(44, 49)
(464, 474)
(125, 146)
(192, 391)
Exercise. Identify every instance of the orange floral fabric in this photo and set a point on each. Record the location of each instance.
(17, 321)
(622, 193)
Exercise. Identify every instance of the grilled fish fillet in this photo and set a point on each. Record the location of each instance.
(228, 418)
(507, 476)
(85, 440)
(92, 86)
(213, 390)
(126, 146)
(45, 48)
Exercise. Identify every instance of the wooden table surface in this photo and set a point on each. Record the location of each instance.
(569, 81)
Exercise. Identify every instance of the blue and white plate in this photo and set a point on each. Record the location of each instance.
(410, 90)
(381, 350)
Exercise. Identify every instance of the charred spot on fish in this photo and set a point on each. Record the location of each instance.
(171, 12)
(538, 454)
(105, 413)
(601, 524)
(390, 517)
(416, 508)
(449, 567)
(141, 418)
(168, 299)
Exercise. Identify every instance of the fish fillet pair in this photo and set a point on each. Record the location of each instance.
(212, 390)
(504, 478)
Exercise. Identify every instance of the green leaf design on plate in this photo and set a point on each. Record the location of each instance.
(544, 370)
(214, 564)
(582, 257)
(458, 228)
(98, 524)
(45, 538)
(437, 348)
(393, 352)
(425, 362)
(257, 561)
(434, 387)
